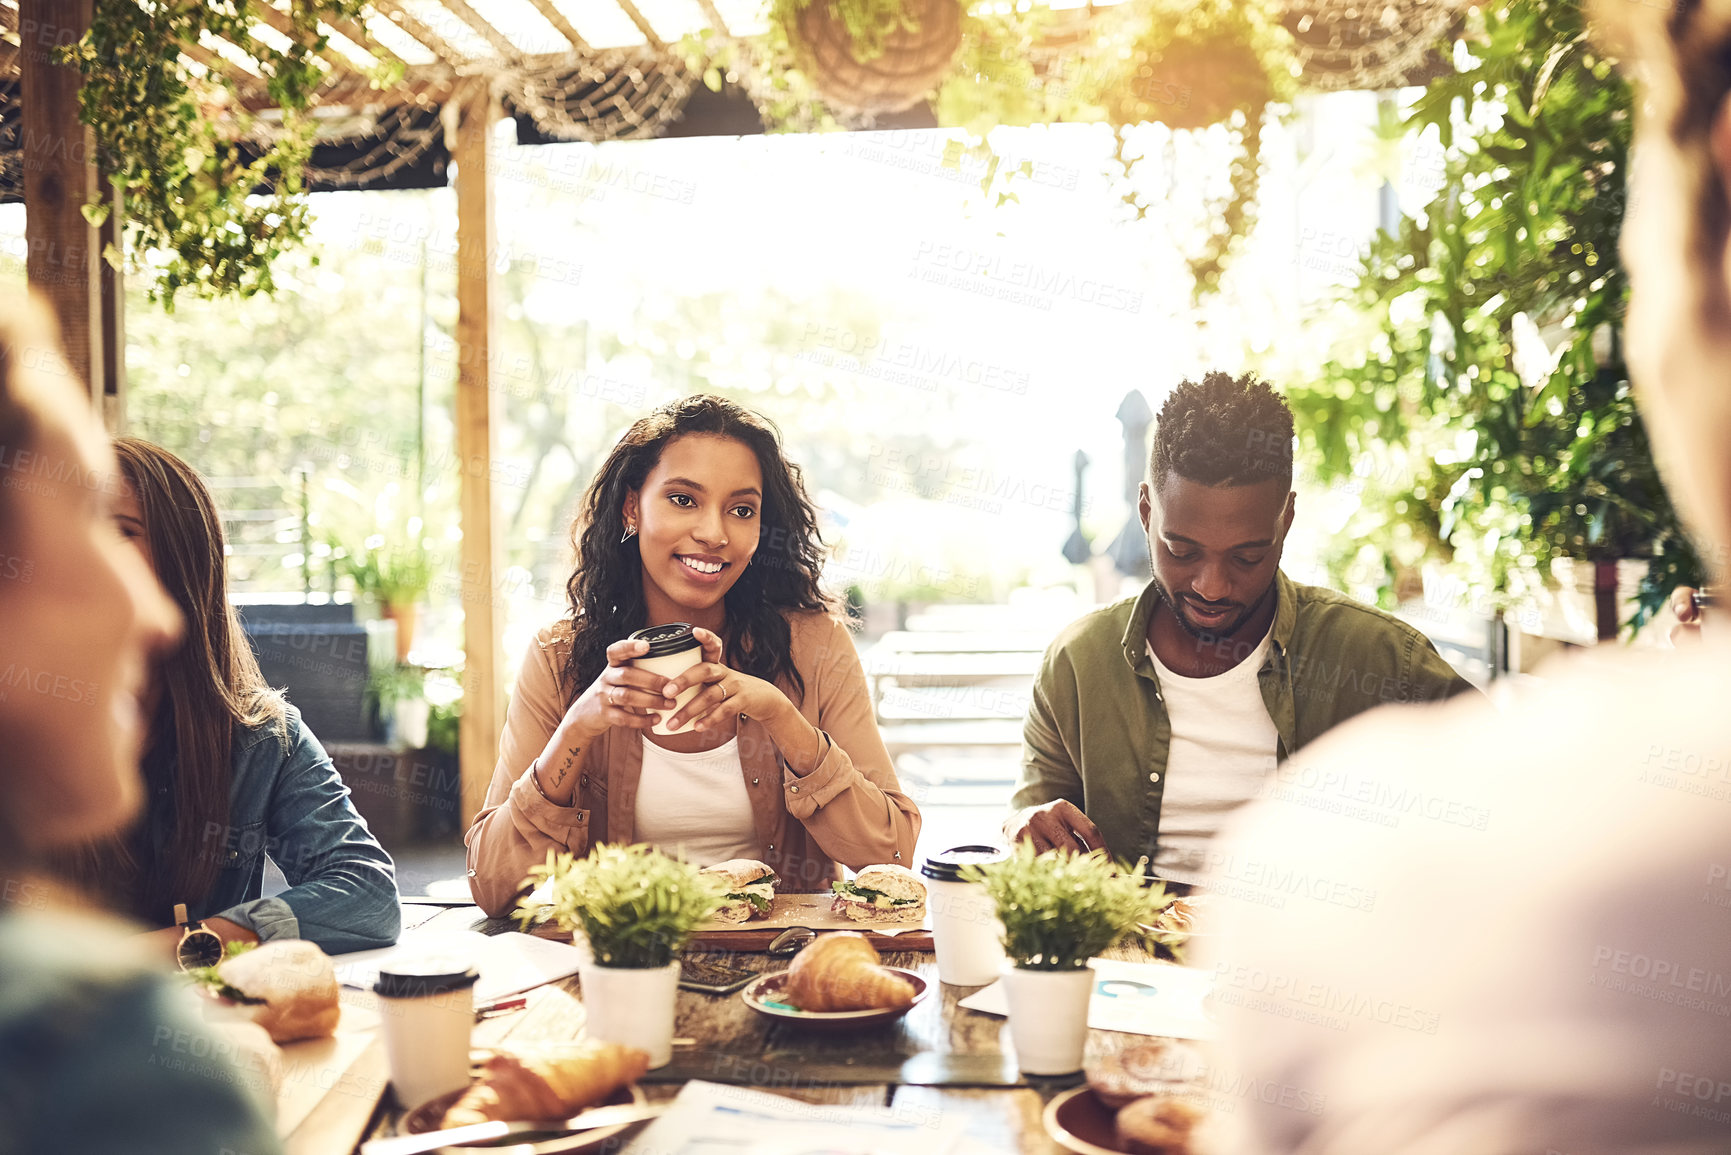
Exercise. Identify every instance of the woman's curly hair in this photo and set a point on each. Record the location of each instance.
(606, 588)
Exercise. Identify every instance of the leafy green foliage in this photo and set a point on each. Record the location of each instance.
(1191, 66)
(635, 905)
(1061, 908)
(207, 977)
(394, 574)
(179, 147)
(1499, 475)
(868, 22)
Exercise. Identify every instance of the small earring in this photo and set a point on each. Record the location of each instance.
(630, 532)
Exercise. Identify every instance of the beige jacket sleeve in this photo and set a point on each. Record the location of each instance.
(851, 802)
(518, 826)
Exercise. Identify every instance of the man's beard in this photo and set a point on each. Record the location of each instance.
(1224, 630)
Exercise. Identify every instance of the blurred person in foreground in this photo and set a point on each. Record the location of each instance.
(97, 1054)
(231, 772)
(1559, 978)
(1155, 718)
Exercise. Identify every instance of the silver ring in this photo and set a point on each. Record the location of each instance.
(724, 692)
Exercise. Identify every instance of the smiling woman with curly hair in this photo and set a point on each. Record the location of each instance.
(695, 517)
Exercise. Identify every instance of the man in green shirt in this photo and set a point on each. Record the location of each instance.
(1153, 718)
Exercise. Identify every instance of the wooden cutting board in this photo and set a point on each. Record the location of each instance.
(794, 910)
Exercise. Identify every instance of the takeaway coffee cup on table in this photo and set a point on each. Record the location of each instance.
(428, 1008)
(965, 929)
(673, 649)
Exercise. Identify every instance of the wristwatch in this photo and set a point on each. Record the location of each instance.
(199, 945)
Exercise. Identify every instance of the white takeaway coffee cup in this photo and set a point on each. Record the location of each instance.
(673, 649)
(966, 932)
(427, 1004)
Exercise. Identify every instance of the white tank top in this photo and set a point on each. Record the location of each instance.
(695, 806)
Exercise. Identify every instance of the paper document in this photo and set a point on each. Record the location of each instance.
(710, 1119)
(1142, 998)
(509, 963)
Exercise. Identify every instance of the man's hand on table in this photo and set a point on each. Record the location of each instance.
(1053, 825)
(1689, 615)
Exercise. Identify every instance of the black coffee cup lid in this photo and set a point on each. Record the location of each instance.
(946, 865)
(415, 978)
(672, 638)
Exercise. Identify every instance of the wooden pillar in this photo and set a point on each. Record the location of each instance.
(64, 258)
(483, 615)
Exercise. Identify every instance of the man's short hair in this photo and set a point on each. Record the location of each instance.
(1224, 430)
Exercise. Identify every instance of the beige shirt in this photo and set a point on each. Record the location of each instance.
(849, 808)
(1460, 929)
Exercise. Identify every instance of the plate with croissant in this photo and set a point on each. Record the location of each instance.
(839, 982)
(549, 1082)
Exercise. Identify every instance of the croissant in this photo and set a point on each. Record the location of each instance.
(840, 972)
(547, 1085)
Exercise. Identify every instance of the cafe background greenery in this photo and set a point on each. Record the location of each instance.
(1462, 460)
(1469, 464)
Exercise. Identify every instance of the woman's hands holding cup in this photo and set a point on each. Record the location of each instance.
(723, 692)
(621, 695)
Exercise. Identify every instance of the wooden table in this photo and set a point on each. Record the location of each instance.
(719, 1039)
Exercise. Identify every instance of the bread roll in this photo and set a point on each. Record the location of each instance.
(552, 1083)
(840, 972)
(1158, 1125)
(296, 984)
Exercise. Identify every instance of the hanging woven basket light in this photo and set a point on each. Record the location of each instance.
(1370, 44)
(915, 58)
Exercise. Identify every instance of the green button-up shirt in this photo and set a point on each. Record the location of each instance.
(1098, 733)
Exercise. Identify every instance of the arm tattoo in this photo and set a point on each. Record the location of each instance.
(565, 767)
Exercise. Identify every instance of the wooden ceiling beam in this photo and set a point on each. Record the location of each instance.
(357, 93)
(643, 25)
(394, 12)
(557, 19)
(357, 32)
(482, 26)
(713, 14)
(268, 13)
(236, 75)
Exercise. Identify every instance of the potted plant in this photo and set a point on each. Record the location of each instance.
(1059, 910)
(397, 693)
(631, 909)
(397, 577)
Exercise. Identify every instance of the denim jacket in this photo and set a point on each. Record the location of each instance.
(288, 802)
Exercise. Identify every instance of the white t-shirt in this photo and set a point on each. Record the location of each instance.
(695, 806)
(1224, 746)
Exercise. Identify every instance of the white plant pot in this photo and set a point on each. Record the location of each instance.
(1048, 1018)
(413, 714)
(632, 1006)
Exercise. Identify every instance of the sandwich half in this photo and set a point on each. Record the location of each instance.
(750, 888)
(881, 894)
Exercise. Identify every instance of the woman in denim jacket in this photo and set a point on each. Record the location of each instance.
(231, 772)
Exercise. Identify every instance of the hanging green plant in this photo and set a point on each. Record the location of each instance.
(184, 153)
(872, 56)
(1192, 66)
